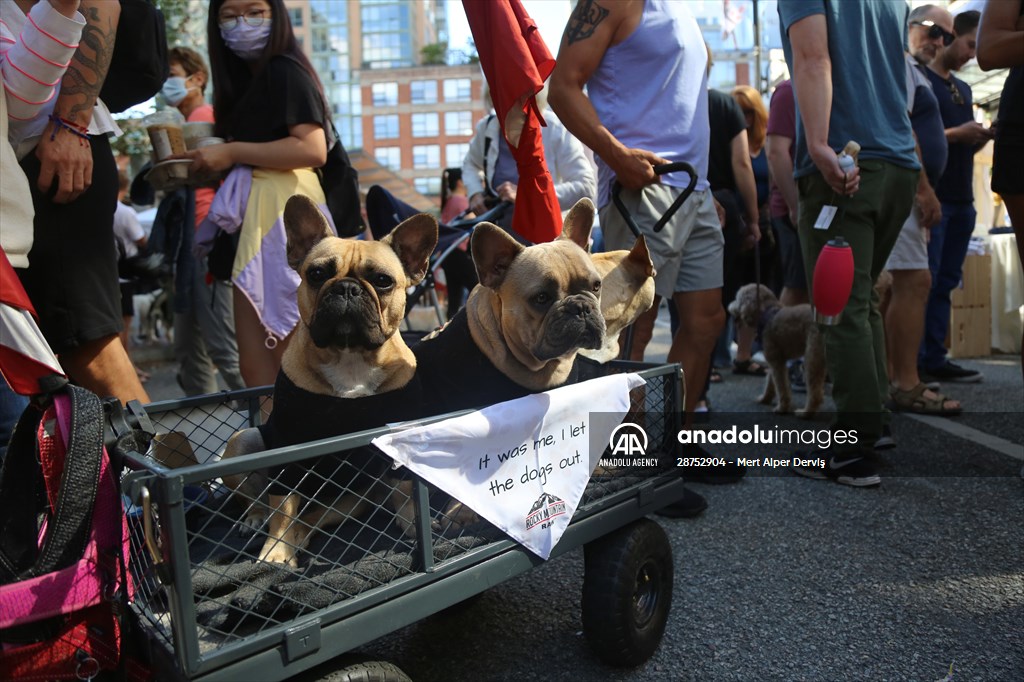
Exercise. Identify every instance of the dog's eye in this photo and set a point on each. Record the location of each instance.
(382, 281)
(542, 298)
(597, 286)
(317, 275)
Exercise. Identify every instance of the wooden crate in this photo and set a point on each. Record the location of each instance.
(970, 332)
(975, 287)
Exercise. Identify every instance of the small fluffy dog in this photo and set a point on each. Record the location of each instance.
(786, 334)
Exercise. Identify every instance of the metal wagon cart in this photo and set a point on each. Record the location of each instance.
(208, 609)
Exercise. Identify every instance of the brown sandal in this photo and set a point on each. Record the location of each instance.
(914, 400)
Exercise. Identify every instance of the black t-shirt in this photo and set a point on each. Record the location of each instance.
(282, 95)
(727, 121)
(957, 182)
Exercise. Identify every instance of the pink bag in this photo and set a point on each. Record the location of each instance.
(62, 582)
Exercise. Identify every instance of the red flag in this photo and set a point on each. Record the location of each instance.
(516, 62)
(25, 357)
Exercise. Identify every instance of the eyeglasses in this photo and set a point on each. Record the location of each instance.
(935, 31)
(254, 18)
(954, 92)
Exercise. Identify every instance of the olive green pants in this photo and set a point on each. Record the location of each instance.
(870, 221)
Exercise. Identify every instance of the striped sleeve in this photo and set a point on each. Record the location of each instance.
(34, 63)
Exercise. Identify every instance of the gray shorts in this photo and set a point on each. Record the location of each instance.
(687, 253)
(911, 249)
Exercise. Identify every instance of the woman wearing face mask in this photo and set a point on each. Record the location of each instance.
(269, 105)
(204, 321)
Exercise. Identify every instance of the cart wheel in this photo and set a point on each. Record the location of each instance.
(627, 592)
(367, 671)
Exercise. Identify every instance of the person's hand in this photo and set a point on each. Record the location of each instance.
(720, 210)
(67, 159)
(65, 7)
(507, 192)
(635, 169)
(929, 206)
(973, 133)
(477, 204)
(211, 160)
(844, 184)
(754, 229)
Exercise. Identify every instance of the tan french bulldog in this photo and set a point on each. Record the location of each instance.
(627, 291)
(346, 345)
(536, 306)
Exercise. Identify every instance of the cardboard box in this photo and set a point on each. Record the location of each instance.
(975, 287)
(970, 332)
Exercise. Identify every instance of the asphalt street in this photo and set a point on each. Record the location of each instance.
(786, 578)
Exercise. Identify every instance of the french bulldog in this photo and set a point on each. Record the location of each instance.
(351, 301)
(627, 291)
(523, 324)
(522, 327)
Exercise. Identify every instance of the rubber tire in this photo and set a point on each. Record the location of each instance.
(367, 671)
(627, 593)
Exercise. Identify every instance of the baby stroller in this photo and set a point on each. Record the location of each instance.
(384, 212)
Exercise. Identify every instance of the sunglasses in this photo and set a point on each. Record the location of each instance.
(935, 31)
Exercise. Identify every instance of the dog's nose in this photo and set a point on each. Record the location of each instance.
(347, 289)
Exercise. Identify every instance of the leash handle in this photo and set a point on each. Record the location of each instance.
(663, 169)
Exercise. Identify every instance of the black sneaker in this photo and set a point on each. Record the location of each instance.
(949, 372)
(690, 505)
(885, 441)
(847, 469)
(796, 377)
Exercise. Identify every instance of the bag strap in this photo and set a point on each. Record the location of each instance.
(67, 532)
(20, 496)
(487, 148)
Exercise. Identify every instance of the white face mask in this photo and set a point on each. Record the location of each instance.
(175, 90)
(248, 42)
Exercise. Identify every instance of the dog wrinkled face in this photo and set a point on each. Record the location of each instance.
(352, 293)
(549, 293)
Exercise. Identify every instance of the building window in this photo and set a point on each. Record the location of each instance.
(385, 127)
(389, 157)
(427, 157)
(457, 90)
(427, 185)
(385, 94)
(455, 154)
(458, 123)
(425, 125)
(423, 92)
(295, 14)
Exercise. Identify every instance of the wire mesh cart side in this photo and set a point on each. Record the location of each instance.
(210, 609)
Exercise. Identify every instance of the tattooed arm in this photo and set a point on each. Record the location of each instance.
(592, 29)
(66, 156)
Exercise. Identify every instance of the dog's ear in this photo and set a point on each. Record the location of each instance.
(493, 252)
(305, 226)
(734, 308)
(578, 223)
(639, 258)
(414, 240)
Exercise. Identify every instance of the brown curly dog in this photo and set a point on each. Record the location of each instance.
(786, 334)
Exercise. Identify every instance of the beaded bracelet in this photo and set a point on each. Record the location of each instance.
(81, 132)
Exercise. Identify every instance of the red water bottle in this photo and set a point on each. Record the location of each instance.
(833, 280)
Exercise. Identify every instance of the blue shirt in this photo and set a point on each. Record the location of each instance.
(926, 121)
(957, 183)
(866, 43)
